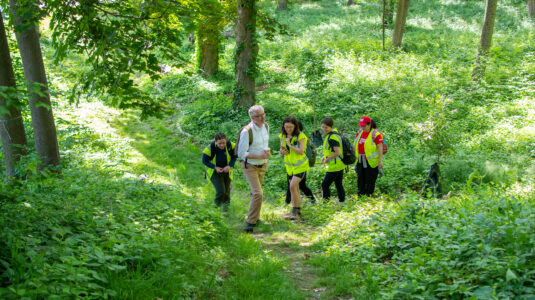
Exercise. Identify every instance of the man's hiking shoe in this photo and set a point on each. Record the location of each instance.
(249, 227)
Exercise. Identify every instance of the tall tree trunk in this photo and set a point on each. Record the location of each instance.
(46, 141)
(350, 2)
(399, 27)
(11, 124)
(486, 39)
(531, 8)
(208, 41)
(282, 5)
(246, 53)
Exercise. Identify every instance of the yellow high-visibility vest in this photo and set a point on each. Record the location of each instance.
(208, 151)
(295, 163)
(370, 149)
(336, 164)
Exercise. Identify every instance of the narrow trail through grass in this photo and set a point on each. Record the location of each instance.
(292, 241)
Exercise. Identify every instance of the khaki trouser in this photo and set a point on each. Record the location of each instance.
(255, 177)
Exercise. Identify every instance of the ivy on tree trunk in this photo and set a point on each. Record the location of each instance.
(208, 41)
(12, 131)
(246, 53)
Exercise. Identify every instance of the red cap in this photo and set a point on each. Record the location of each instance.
(365, 120)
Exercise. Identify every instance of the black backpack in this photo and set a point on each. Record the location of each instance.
(348, 152)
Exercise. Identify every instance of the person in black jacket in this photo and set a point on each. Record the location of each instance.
(219, 159)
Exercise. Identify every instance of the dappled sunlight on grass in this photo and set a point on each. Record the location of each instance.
(339, 224)
(524, 190)
(209, 86)
(421, 22)
(459, 24)
(310, 5)
(93, 114)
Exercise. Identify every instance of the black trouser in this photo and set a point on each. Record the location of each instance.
(302, 186)
(337, 177)
(366, 178)
(221, 182)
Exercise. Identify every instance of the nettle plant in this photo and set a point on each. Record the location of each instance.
(314, 70)
(436, 133)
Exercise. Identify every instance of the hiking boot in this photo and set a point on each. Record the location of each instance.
(249, 227)
(293, 215)
(300, 216)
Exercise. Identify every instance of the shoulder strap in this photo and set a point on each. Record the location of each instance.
(359, 133)
(250, 130)
(228, 146)
(212, 150)
(329, 137)
(374, 132)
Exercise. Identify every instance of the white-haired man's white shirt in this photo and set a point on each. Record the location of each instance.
(259, 145)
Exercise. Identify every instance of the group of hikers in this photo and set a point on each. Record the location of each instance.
(252, 148)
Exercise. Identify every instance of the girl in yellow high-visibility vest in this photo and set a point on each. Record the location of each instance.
(293, 145)
(334, 167)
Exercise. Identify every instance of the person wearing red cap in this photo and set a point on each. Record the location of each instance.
(369, 151)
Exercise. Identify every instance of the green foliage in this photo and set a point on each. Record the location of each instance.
(119, 40)
(313, 67)
(435, 134)
(477, 244)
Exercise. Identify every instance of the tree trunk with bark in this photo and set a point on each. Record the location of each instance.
(46, 142)
(246, 53)
(350, 2)
(208, 40)
(399, 27)
(486, 39)
(12, 131)
(531, 8)
(282, 5)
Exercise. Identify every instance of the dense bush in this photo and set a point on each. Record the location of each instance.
(478, 244)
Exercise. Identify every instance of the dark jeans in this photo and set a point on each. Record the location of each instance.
(302, 186)
(221, 182)
(337, 177)
(366, 178)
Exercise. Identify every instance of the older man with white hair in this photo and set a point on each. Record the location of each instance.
(253, 150)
